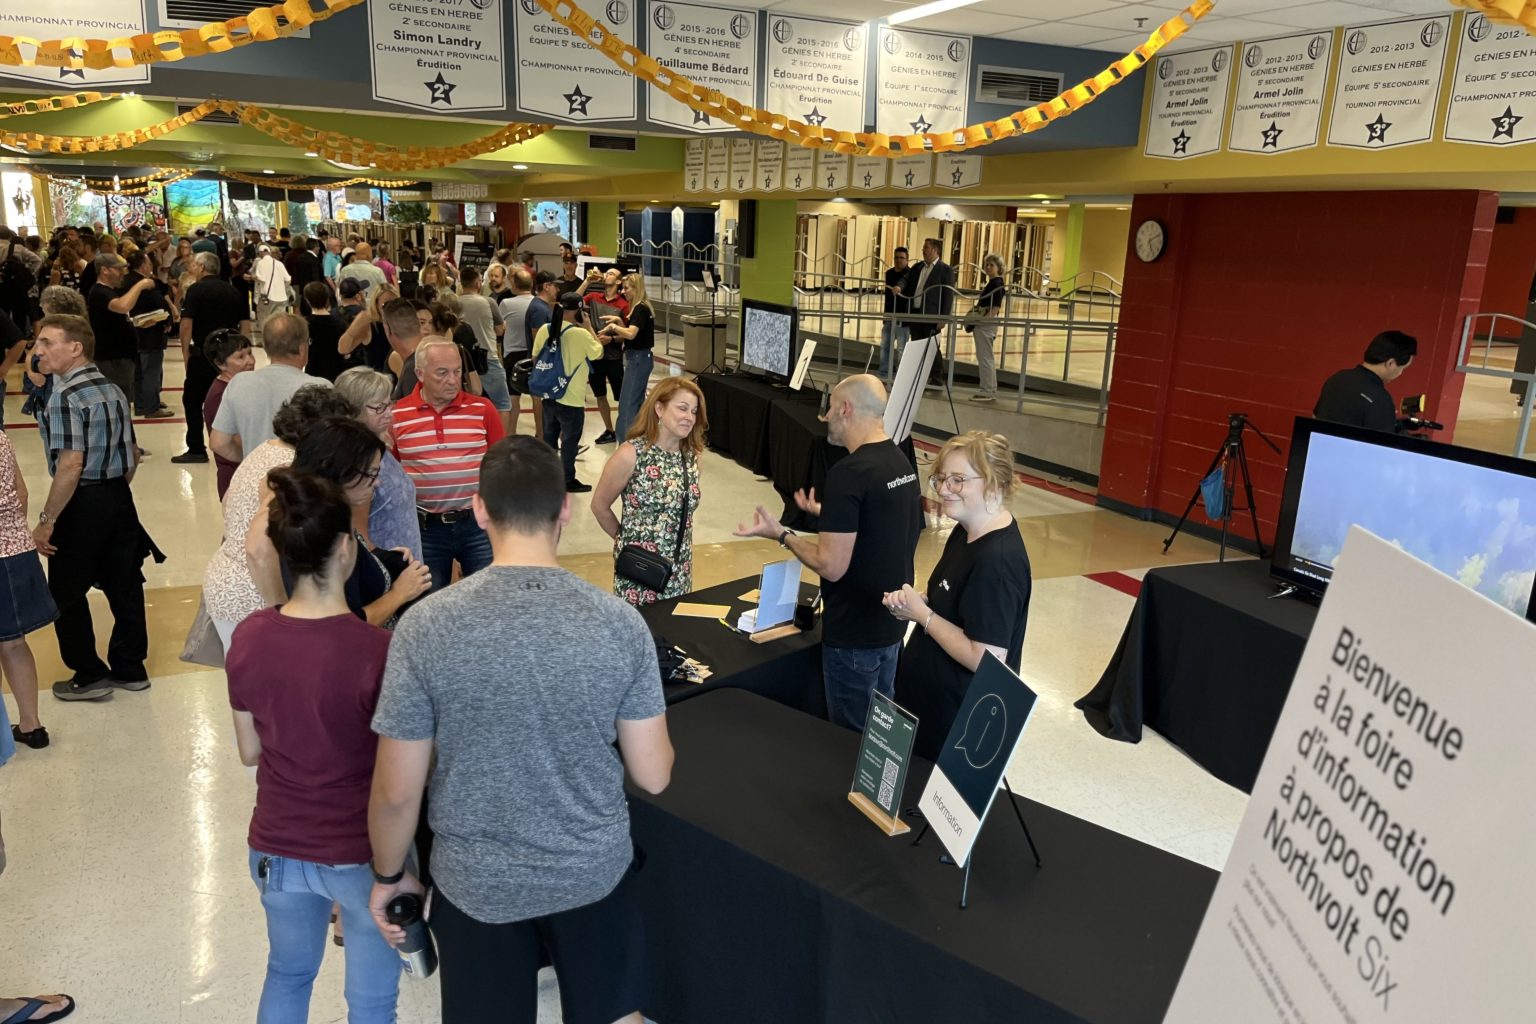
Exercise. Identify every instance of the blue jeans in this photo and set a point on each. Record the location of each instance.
(637, 383)
(297, 897)
(851, 674)
(891, 334)
(151, 376)
(562, 430)
(460, 541)
(494, 383)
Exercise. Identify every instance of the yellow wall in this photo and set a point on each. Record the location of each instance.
(1104, 243)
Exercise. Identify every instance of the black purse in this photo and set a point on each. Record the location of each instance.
(651, 569)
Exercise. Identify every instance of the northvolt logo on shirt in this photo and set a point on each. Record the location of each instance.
(899, 481)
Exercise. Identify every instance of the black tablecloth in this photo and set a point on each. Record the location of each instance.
(738, 417)
(787, 670)
(769, 898)
(1207, 660)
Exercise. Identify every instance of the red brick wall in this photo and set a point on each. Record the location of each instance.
(1256, 300)
(1511, 265)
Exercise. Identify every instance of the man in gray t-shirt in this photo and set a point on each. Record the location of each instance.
(522, 711)
(244, 419)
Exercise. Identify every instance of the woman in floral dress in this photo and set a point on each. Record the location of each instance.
(648, 474)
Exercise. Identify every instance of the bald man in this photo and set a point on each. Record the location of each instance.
(869, 517)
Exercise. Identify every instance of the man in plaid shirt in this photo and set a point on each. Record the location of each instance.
(88, 527)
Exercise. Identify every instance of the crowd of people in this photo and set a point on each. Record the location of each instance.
(377, 505)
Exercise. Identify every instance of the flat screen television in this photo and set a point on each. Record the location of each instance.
(1470, 514)
(768, 332)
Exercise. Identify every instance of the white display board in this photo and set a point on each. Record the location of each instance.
(715, 47)
(1189, 103)
(1281, 84)
(815, 71)
(1493, 93)
(561, 78)
(1388, 83)
(1381, 872)
(87, 19)
(440, 55)
(922, 81)
(912, 369)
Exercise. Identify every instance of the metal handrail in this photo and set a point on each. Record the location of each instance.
(1523, 431)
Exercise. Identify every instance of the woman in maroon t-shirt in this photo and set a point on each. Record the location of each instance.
(303, 682)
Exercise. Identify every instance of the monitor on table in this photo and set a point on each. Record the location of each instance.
(768, 333)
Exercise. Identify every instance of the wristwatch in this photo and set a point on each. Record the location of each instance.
(44, 519)
(784, 538)
(386, 879)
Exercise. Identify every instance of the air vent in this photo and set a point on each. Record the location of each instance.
(1016, 87)
(217, 117)
(621, 143)
(197, 13)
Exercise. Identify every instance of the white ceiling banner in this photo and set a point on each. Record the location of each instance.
(1280, 88)
(716, 47)
(957, 170)
(1189, 103)
(693, 166)
(111, 19)
(717, 164)
(870, 173)
(832, 170)
(912, 172)
(1493, 93)
(816, 71)
(743, 164)
(561, 78)
(799, 168)
(1388, 83)
(770, 165)
(438, 55)
(922, 81)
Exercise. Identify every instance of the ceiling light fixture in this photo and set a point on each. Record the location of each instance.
(519, 167)
(267, 170)
(311, 153)
(927, 10)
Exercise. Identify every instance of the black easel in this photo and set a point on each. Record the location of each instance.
(944, 858)
(1230, 455)
(712, 285)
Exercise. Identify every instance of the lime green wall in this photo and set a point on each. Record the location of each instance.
(1072, 242)
(771, 275)
(602, 227)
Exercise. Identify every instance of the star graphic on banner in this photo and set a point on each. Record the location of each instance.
(909, 179)
(1378, 129)
(717, 183)
(816, 117)
(956, 176)
(578, 101)
(699, 117)
(831, 180)
(869, 178)
(73, 72)
(1181, 142)
(442, 90)
(797, 181)
(741, 181)
(1272, 136)
(1505, 123)
(693, 184)
(921, 125)
(767, 183)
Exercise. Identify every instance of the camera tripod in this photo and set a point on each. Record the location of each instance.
(1231, 455)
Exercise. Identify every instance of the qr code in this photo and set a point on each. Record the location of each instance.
(888, 783)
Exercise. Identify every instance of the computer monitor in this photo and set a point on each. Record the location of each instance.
(768, 332)
(778, 591)
(1468, 513)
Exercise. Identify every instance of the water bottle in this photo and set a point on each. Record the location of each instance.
(418, 953)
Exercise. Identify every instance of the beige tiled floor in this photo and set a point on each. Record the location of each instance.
(128, 884)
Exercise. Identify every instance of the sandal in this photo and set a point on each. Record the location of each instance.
(29, 1006)
(37, 739)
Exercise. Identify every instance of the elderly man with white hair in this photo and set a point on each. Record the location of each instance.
(211, 304)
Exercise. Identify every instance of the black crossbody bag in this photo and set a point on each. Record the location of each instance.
(651, 569)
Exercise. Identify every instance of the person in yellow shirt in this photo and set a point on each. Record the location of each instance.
(564, 416)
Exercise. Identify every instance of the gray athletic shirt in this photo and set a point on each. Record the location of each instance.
(519, 674)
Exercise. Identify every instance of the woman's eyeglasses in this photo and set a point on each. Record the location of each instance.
(954, 481)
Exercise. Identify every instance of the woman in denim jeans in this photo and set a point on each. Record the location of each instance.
(639, 337)
(303, 683)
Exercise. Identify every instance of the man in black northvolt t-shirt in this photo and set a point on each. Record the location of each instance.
(870, 516)
(1359, 396)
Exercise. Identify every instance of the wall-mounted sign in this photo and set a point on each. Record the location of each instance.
(957, 170)
(455, 192)
(869, 173)
(1189, 102)
(111, 19)
(1388, 83)
(693, 166)
(717, 164)
(832, 170)
(715, 47)
(770, 165)
(561, 78)
(816, 71)
(438, 55)
(799, 168)
(1280, 87)
(743, 164)
(910, 173)
(1493, 93)
(922, 81)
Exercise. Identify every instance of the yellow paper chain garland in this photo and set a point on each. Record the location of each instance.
(781, 126)
(261, 25)
(48, 104)
(1505, 12)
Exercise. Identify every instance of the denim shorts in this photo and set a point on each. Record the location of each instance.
(494, 383)
(25, 602)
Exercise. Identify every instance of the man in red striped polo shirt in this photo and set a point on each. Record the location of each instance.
(441, 434)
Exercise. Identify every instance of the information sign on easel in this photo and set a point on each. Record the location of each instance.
(885, 751)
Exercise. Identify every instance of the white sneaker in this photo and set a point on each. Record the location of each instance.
(983, 397)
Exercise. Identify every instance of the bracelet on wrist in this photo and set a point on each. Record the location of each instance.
(386, 879)
(784, 538)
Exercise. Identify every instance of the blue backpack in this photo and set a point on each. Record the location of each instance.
(548, 378)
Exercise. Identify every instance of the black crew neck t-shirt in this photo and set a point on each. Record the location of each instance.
(114, 334)
(1357, 397)
(983, 587)
(644, 323)
(325, 358)
(213, 304)
(872, 492)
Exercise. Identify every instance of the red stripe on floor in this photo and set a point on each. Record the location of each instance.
(1128, 585)
(32, 424)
